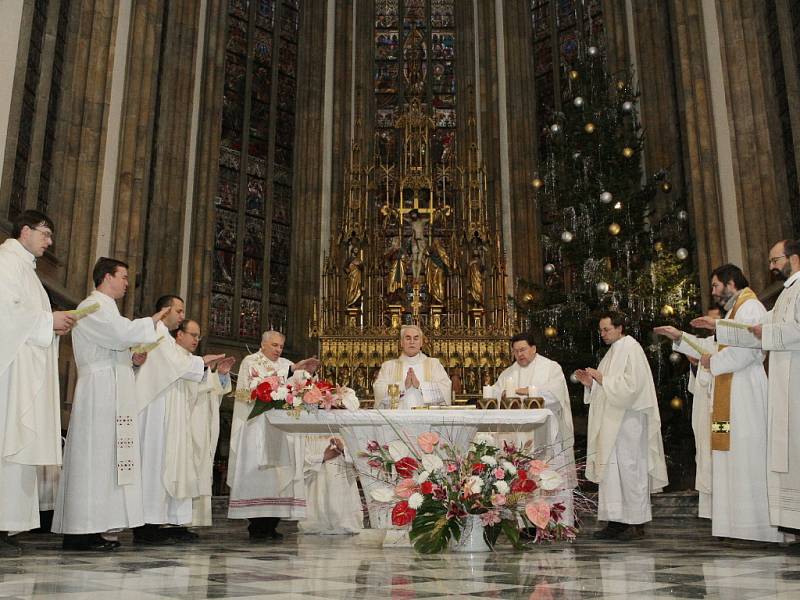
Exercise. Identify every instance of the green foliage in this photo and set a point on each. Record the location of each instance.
(432, 529)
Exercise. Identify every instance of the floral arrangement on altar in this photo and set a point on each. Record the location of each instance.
(271, 393)
(439, 492)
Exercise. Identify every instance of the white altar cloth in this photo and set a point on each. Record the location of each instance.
(456, 427)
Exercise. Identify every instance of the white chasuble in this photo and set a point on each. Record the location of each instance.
(333, 501)
(265, 465)
(739, 501)
(100, 486)
(702, 389)
(625, 454)
(30, 416)
(169, 476)
(434, 383)
(205, 435)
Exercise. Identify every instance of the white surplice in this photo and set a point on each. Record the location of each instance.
(781, 336)
(333, 502)
(91, 497)
(205, 435)
(434, 383)
(739, 504)
(30, 415)
(163, 388)
(702, 390)
(625, 454)
(265, 465)
(544, 378)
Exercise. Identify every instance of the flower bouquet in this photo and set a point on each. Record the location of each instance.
(437, 488)
(270, 393)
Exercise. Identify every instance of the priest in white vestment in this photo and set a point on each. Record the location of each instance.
(534, 375)
(30, 413)
(738, 432)
(333, 501)
(164, 396)
(625, 454)
(421, 379)
(778, 331)
(100, 486)
(205, 399)
(265, 465)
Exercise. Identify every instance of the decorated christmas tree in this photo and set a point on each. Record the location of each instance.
(613, 239)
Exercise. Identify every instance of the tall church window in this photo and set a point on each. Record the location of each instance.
(404, 28)
(253, 200)
(560, 29)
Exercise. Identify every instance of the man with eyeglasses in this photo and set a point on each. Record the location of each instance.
(737, 430)
(30, 416)
(778, 332)
(163, 396)
(625, 454)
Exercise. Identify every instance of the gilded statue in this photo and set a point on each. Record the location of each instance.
(437, 269)
(393, 258)
(477, 247)
(354, 271)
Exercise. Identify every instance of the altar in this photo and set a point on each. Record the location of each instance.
(456, 427)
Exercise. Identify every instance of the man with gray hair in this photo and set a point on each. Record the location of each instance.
(421, 379)
(265, 494)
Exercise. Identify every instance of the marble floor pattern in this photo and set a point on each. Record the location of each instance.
(678, 559)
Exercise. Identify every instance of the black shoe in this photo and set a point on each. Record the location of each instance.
(633, 532)
(151, 535)
(9, 546)
(89, 542)
(274, 535)
(181, 535)
(611, 531)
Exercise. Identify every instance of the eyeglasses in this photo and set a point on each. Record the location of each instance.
(48, 235)
(774, 260)
(196, 336)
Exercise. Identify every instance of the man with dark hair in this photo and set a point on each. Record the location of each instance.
(625, 454)
(30, 416)
(738, 427)
(163, 390)
(533, 375)
(778, 331)
(101, 483)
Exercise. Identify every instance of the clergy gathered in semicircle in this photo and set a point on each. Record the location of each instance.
(145, 422)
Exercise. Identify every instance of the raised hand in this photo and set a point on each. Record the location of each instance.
(704, 323)
(307, 364)
(584, 377)
(595, 374)
(210, 360)
(224, 365)
(411, 379)
(160, 314)
(669, 331)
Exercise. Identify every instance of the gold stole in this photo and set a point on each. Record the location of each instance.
(398, 369)
(721, 415)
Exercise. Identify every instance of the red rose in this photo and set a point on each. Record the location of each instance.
(406, 467)
(478, 468)
(262, 393)
(524, 486)
(426, 487)
(402, 514)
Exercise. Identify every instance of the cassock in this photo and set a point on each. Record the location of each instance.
(100, 485)
(739, 504)
(781, 336)
(265, 465)
(205, 435)
(702, 390)
(545, 379)
(164, 396)
(333, 501)
(30, 417)
(434, 383)
(625, 454)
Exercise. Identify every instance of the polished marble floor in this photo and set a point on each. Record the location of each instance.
(678, 559)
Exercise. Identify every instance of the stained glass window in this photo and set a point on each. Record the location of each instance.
(415, 53)
(254, 193)
(560, 27)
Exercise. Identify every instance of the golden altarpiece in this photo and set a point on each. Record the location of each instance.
(414, 245)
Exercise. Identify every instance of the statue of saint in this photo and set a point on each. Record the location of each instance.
(393, 257)
(354, 271)
(437, 269)
(475, 269)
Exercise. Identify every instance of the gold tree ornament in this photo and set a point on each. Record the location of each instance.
(614, 229)
(528, 298)
(620, 85)
(627, 152)
(666, 187)
(589, 128)
(667, 310)
(573, 74)
(537, 183)
(550, 332)
(676, 403)
(658, 246)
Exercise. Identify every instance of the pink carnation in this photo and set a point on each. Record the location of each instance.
(499, 473)
(427, 441)
(490, 518)
(451, 467)
(498, 500)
